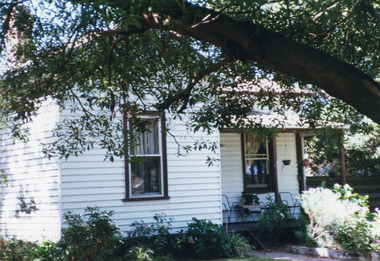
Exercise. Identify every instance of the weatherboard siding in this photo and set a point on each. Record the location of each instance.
(231, 165)
(59, 185)
(287, 175)
(194, 187)
(31, 176)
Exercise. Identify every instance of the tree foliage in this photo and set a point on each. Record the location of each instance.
(362, 151)
(103, 59)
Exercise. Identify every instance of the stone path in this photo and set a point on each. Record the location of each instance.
(289, 256)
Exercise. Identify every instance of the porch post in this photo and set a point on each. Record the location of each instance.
(301, 174)
(274, 169)
(342, 159)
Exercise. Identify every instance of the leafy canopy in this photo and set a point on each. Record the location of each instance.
(102, 59)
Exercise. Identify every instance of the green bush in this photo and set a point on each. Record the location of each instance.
(16, 250)
(156, 235)
(204, 239)
(93, 236)
(273, 220)
(90, 236)
(346, 192)
(240, 245)
(302, 233)
(48, 251)
(341, 219)
(355, 235)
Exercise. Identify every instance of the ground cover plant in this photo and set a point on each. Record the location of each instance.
(341, 219)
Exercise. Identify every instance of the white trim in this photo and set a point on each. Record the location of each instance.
(161, 192)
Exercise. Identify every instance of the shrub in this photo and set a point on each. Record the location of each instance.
(302, 233)
(202, 239)
(273, 220)
(346, 192)
(16, 249)
(240, 245)
(48, 251)
(206, 240)
(355, 234)
(341, 219)
(155, 236)
(90, 236)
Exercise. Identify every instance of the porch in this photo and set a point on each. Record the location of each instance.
(280, 176)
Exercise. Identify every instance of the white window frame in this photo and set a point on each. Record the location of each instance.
(163, 190)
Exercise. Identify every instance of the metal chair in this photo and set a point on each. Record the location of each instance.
(228, 207)
(287, 199)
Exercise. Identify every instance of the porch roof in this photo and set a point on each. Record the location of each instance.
(279, 121)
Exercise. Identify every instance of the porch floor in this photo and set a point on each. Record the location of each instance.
(242, 226)
(251, 226)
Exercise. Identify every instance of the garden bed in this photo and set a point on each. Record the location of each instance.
(331, 253)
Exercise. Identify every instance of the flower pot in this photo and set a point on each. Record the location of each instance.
(286, 162)
(306, 163)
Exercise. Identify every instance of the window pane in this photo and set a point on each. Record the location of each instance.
(257, 173)
(146, 175)
(256, 162)
(255, 146)
(148, 141)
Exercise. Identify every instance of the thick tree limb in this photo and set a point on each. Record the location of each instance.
(249, 41)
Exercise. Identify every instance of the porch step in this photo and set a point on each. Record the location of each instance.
(240, 227)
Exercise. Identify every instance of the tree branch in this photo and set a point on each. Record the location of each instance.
(249, 41)
(246, 40)
(184, 95)
(6, 22)
(317, 16)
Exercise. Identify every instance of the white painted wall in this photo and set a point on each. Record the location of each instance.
(87, 180)
(287, 175)
(231, 169)
(31, 176)
(194, 188)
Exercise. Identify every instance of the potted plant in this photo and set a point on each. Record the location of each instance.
(286, 162)
(249, 198)
(306, 163)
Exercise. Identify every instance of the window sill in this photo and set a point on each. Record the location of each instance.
(258, 190)
(146, 198)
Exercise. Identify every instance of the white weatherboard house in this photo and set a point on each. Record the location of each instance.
(40, 190)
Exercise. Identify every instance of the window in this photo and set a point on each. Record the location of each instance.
(146, 171)
(257, 164)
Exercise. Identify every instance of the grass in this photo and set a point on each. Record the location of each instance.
(249, 259)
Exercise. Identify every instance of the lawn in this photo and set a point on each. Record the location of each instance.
(248, 259)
